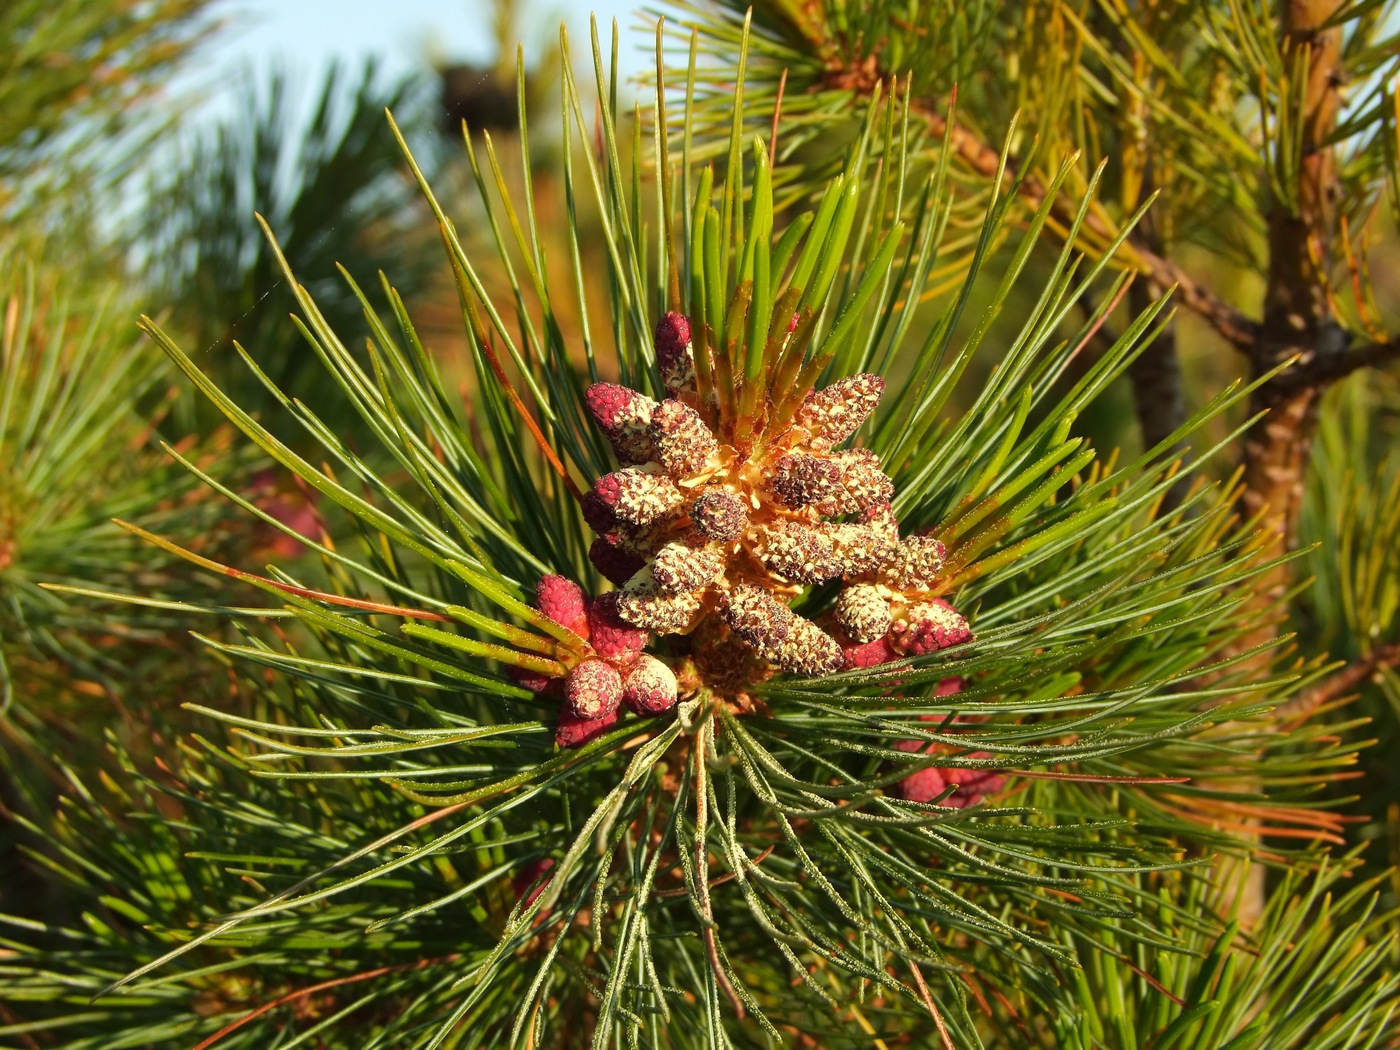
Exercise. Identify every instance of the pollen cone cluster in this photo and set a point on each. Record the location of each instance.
(712, 538)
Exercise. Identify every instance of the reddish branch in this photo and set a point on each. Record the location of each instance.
(1340, 683)
(1232, 325)
(302, 993)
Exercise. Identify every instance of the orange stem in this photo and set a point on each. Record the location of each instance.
(312, 990)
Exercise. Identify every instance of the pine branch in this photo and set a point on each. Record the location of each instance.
(886, 785)
(1231, 324)
(985, 160)
(1318, 370)
(1340, 683)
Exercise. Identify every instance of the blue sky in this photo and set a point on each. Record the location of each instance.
(403, 34)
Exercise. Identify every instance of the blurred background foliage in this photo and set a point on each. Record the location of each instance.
(105, 791)
(78, 86)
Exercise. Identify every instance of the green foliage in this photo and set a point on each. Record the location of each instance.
(175, 856)
(76, 448)
(1351, 522)
(1319, 973)
(73, 76)
(1353, 514)
(81, 401)
(1196, 103)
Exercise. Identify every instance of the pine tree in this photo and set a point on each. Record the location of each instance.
(755, 655)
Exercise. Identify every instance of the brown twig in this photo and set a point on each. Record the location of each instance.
(302, 993)
(932, 1007)
(983, 158)
(1340, 683)
(1100, 321)
(1316, 371)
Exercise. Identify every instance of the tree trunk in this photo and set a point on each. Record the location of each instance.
(1297, 322)
(1297, 317)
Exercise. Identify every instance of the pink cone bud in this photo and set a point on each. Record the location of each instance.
(613, 638)
(534, 681)
(868, 654)
(597, 514)
(616, 564)
(973, 785)
(637, 496)
(650, 688)
(615, 406)
(929, 627)
(593, 689)
(923, 786)
(573, 731)
(624, 415)
(564, 602)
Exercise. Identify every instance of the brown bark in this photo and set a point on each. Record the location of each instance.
(1297, 323)
(1298, 319)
